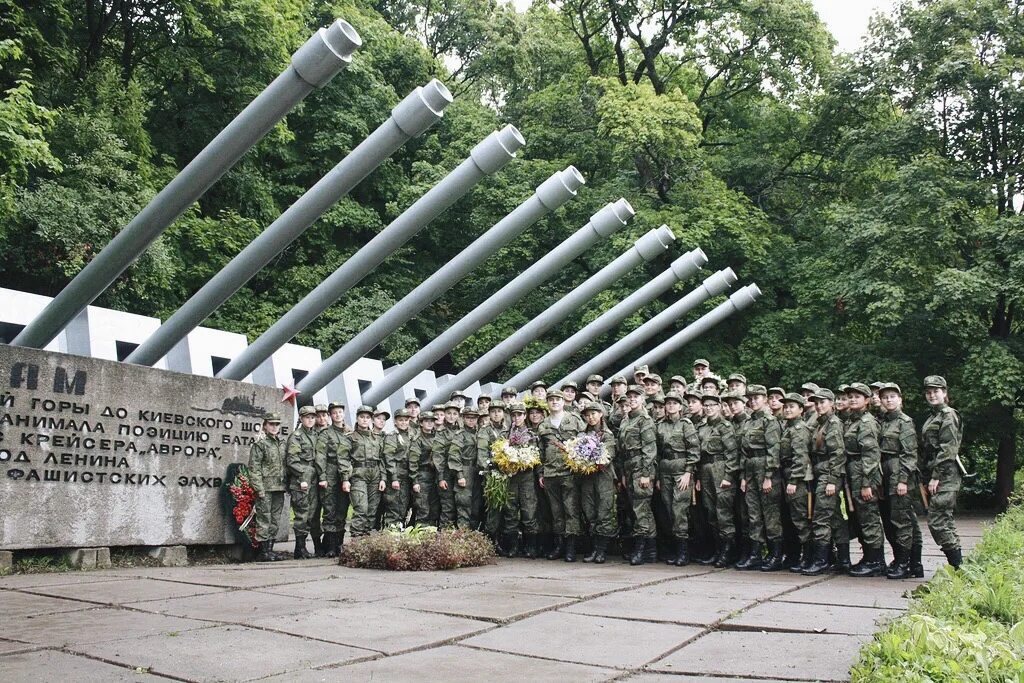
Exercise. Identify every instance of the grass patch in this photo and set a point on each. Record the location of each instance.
(965, 625)
(418, 549)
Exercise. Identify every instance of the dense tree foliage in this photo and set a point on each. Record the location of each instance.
(874, 197)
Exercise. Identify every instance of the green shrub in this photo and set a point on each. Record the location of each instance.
(965, 625)
(418, 549)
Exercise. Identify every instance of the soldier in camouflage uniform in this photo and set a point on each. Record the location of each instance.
(828, 458)
(864, 474)
(614, 418)
(489, 432)
(678, 455)
(594, 385)
(361, 469)
(334, 501)
(638, 452)
(401, 465)
(306, 464)
(521, 507)
(534, 419)
(759, 438)
(897, 438)
(439, 454)
(719, 477)
(776, 395)
(426, 503)
(941, 435)
(701, 369)
(795, 463)
(464, 468)
(558, 482)
(267, 475)
(597, 490)
(316, 528)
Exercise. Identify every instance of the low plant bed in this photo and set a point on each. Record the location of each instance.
(963, 625)
(418, 548)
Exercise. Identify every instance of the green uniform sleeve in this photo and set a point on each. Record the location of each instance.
(390, 456)
(453, 454)
(320, 458)
(732, 447)
(870, 451)
(346, 445)
(800, 444)
(649, 444)
(834, 448)
(692, 440)
(908, 450)
(439, 452)
(772, 439)
(483, 447)
(945, 465)
(256, 458)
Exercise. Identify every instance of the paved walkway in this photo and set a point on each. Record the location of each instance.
(516, 620)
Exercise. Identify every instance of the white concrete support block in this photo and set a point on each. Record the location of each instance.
(205, 351)
(18, 310)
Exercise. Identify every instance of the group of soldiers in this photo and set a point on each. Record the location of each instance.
(720, 472)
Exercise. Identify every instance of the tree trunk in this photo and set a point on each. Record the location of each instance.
(1006, 463)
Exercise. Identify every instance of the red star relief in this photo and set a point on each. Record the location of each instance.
(290, 393)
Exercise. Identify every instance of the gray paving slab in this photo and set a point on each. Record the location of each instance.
(223, 653)
(375, 627)
(563, 587)
(233, 607)
(454, 664)
(660, 604)
(17, 604)
(808, 657)
(94, 625)
(55, 665)
(481, 602)
(126, 591)
(847, 590)
(53, 579)
(586, 639)
(804, 618)
(10, 646)
(245, 578)
(344, 589)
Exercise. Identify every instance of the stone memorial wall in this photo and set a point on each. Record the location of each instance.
(100, 453)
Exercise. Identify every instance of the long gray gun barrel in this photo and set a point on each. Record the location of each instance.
(681, 269)
(714, 285)
(602, 224)
(313, 65)
(551, 194)
(422, 108)
(739, 300)
(644, 249)
(489, 156)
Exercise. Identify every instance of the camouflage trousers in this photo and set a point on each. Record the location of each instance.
(565, 506)
(677, 502)
(640, 501)
(466, 513)
(940, 513)
(828, 524)
(797, 505)
(521, 507)
(268, 514)
(365, 498)
(597, 502)
(867, 518)
(899, 518)
(447, 517)
(327, 503)
(304, 504)
(764, 510)
(426, 504)
(718, 501)
(396, 502)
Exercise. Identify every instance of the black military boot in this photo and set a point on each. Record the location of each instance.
(318, 546)
(753, 559)
(300, 548)
(556, 548)
(570, 548)
(682, 553)
(712, 553)
(842, 565)
(916, 568)
(870, 565)
(330, 544)
(600, 549)
(263, 553)
(864, 555)
(727, 554)
(650, 550)
(594, 541)
(820, 563)
(901, 560)
(530, 541)
(637, 556)
(806, 560)
(954, 556)
(774, 562)
(671, 556)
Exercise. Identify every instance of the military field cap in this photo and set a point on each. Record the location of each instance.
(756, 390)
(777, 390)
(321, 407)
(497, 405)
(451, 406)
(702, 361)
(426, 415)
(402, 412)
(517, 407)
(556, 394)
(272, 418)
(890, 386)
(470, 412)
(618, 379)
(641, 369)
(364, 409)
(412, 399)
(571, 385)
(860, 388)
(457, 394)
(694, 393)
(877, 385)
(383, 412)
(593, 406)
(711, 398)
(587, 395)
(823, 394)
(734, 396)
(335, 404)
(792, 397)
(635, 389)
(539, 383)
(653, 378)
(677, 378)
(674, 396)
(509, 390)
(621, 399)
(737, 377)
(595, 378)
(842, 388)
(483, 397)
(438, 408)
(809, 386)
(935, 381)
(307, 410)
(658, 398)
(711, 379)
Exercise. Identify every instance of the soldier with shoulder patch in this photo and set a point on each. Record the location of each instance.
(897, 438)
(305, 463)
(941, 435)
(361, 469)
(267, 477)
